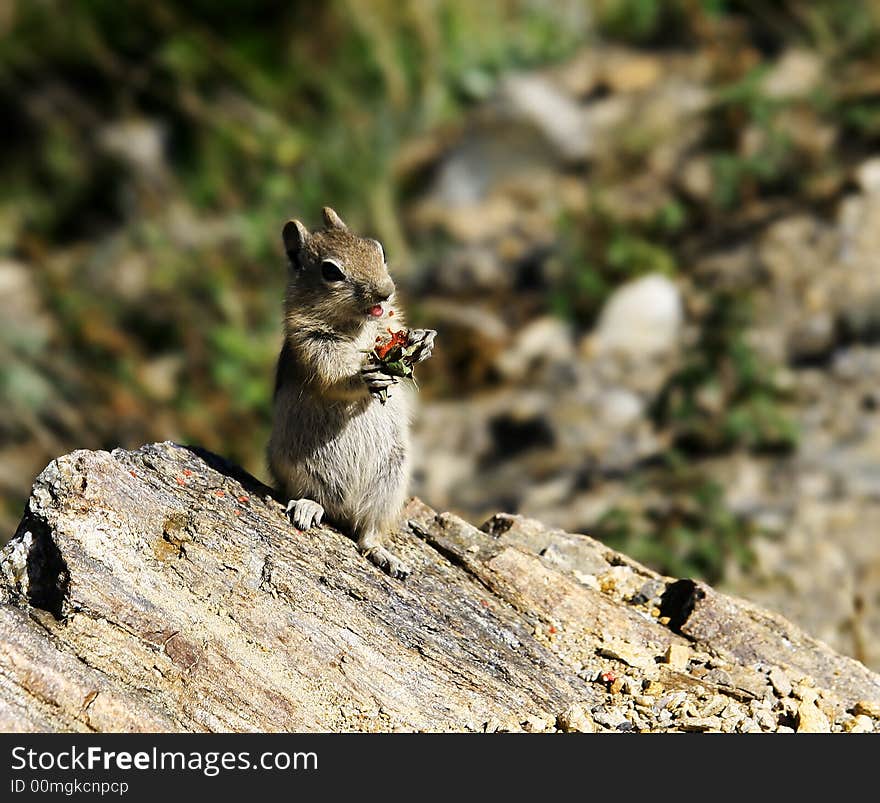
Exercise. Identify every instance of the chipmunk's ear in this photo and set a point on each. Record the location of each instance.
(295, 236)
(332, 220)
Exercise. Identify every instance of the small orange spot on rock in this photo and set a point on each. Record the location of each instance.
(187, 472)
(180, 481)
(133, 474)
(484, 603)
(244, 499)
(220, 492)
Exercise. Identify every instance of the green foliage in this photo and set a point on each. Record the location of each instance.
(263, 111)
(691, 533)
(770, 165)
(724, 396)
(641, 21)
(598, 253)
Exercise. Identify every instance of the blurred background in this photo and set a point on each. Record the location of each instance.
(648, 232)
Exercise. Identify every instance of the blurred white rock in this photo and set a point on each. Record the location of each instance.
(559, 118)
(138, 142)
(543, 341)
(620, 407)
(642, 318)
(868, 176)
(796, 73)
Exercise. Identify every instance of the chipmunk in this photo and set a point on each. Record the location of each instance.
(335, 449)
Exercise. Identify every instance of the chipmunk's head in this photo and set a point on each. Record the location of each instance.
(340, 276)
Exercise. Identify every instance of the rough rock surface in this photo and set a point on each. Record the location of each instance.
(164, 589)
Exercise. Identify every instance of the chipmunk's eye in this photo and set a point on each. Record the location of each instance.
(331, 272)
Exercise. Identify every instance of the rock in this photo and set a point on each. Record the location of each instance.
(138, 142)
(542, 342)
(159, 376)
(868, 176)
(859, 724)
(26, 322)
(535, 724)
(700, 724)
(474, 338)
(167, 565)
(795, 74)
(697, 178)
(472, 269)
(813, 338)
(622, 651)
(869, 708)
(642, 318)
(677, 657)
(576, 719)
(610, 717)
(27, 385)
(619, 408)
(632, 72)
(779, 680)
(767, 721)
(811, 720)
(532, 98)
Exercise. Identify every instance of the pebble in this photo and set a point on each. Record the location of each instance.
(677, 656)
(870, 708)
(868, 176)
(732, 711)
(534, 724)
(767, 721)
(622, 651)
(811, 719)
(796, 73)
(715, 705)
(576, 719)
(780, 682)
(804, 692)
(860, 724)
(541, 341)
(610, 718)
(701, 724)
(789, 706)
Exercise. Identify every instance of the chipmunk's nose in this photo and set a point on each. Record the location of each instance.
(384, 291)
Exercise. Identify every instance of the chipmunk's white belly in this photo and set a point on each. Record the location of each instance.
(358, 471)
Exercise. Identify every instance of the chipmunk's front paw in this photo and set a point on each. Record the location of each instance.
(378, 383)
(304, 513)
(422, 342)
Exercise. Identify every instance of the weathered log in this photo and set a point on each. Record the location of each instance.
(164, 589)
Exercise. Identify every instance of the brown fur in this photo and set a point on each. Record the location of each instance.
(333, 443)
